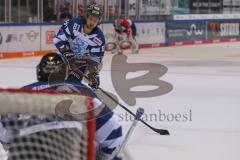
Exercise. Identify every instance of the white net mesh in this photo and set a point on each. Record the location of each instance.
(31, 128)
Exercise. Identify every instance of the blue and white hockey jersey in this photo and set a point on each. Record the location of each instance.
(71, 34)
(108, 128)
(86, 47)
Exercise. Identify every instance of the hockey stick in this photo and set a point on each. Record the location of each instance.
(160, 131)
(138, 115)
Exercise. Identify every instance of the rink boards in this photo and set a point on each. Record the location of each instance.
(23, 40)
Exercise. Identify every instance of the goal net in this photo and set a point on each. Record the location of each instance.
(43, 125)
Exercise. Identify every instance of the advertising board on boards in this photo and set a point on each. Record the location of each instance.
(223, 29)
(180, 31)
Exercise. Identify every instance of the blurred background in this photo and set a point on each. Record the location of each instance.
(205, 75)
(27, 27)
(53, 10)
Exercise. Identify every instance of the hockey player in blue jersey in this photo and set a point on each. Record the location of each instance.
(51, 72)
(80, 39)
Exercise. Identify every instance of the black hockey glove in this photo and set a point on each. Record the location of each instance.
(94, 80)
(66, 52)
(70, 60)
(68, 55)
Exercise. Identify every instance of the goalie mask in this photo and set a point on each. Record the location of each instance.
(52, 67)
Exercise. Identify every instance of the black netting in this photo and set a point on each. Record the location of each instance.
(44, 135)
(51, 144)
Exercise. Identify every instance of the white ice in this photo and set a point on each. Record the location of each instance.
(206, 88)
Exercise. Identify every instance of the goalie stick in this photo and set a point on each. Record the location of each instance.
(159, 131)
(139, 113)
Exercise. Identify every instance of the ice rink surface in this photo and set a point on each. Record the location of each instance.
(202, 110)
